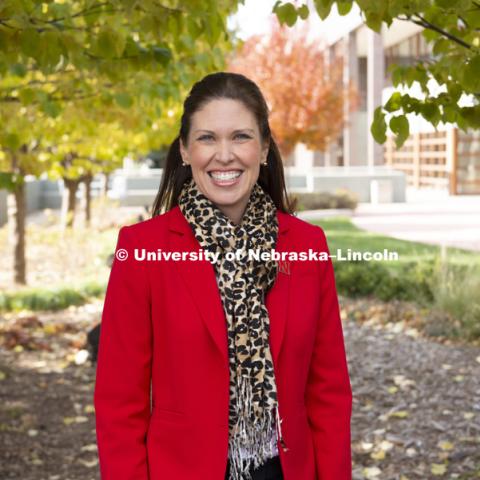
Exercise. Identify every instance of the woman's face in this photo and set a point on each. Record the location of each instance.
(224, 151)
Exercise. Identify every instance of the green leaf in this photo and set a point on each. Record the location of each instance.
(30, 42)
(394, 102)
(323, 8)
(11, 140)
(471, 74)
(444, 3)
(18, 69)
(397, 75)
(450, 113)
(344, 7)
(110, 43)
(455, 91)
(431, 112)
(374, 21)
(471, 115)
(286, 13)
(442, 45)
(303, 12)
(163, 55)
(27, 95)
(124, 100)
(399, 125)
(7, 181)
(50, 51)
(379, 127)
(51, 108)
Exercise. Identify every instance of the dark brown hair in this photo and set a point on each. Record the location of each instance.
(215, 86)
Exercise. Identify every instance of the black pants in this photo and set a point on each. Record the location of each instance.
(271, 470)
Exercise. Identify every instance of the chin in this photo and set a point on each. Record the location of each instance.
(226, 199)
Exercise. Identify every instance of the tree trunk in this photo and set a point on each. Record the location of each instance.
(70, 191)
(16, 221)
(105, 185)
(88, 198)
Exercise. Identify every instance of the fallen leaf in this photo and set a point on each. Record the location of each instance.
(438, 469)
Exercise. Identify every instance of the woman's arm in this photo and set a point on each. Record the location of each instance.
(328, 396)
(122, 386)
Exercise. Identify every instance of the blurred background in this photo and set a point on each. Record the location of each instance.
(375, 108)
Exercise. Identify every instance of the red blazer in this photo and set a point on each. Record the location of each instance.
(163, 327)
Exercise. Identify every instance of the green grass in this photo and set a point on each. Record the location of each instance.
(448, 284)
(50, 298)
(342, 233)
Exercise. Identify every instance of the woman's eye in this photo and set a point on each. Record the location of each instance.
(244, 135)
(206, 137)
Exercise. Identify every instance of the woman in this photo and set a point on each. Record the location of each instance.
(244, 356)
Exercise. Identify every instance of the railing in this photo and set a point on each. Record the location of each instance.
(447, 159)
(468, 162)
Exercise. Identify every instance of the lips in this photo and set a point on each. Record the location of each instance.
(225, 174)
(226, 171)
(225, 178)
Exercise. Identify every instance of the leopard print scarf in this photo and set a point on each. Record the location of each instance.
(243, 283)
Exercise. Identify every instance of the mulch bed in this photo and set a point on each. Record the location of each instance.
(416, 412)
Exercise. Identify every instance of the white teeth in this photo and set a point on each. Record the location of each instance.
(225, 176)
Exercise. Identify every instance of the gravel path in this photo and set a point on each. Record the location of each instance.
(416, 411)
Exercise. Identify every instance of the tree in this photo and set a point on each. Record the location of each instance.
(82, 48)
(305, 102)
(452, 28)
(56, 55)
(20, 143)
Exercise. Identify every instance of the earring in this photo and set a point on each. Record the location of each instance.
(265, 162)
(184, 164)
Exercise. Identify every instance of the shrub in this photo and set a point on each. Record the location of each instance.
(49, 299)
(456, 292)
(359, 278)
(451, 291)
(325, 200)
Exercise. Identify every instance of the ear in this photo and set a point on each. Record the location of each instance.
(183, 152)
(265, 149)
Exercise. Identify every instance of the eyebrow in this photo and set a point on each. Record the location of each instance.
(235, 131)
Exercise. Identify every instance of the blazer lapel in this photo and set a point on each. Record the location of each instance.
(199, 277)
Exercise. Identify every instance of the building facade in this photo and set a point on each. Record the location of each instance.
(441, 158)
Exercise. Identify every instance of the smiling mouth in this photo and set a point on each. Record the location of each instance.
(225, 176)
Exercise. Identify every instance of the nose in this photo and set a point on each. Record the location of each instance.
(224, 153)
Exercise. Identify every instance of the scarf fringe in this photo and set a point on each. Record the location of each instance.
(254, 438)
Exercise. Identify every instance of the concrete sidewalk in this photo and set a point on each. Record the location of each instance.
(427, 216)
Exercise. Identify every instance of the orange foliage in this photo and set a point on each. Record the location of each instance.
(305, 95)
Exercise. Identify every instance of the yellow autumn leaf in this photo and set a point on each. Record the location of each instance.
(445, 445)
(385, 445)
(50, 329)
(378, 455)
(438, 469)
(392, 389)
(371, 472)
(400, 414)
(468, 415)
(366, 446)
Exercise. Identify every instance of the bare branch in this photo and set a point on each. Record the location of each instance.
(426, 24)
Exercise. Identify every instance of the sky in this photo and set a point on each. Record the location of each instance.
(252, 18)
